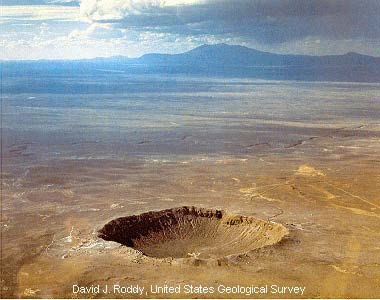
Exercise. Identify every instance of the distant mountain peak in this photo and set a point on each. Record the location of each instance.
(351, 53)
(224, 48)
(220, 46)
(212, 45)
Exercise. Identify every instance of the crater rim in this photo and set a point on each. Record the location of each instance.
(189, 232)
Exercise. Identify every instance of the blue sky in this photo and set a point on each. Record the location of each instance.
(70, 29)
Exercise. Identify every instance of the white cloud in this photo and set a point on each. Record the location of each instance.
(98, 31)
(270, 22)
(98, 10)
(38, 13)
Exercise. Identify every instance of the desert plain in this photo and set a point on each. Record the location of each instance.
(303, 155)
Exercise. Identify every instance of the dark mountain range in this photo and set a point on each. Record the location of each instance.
(239, 61)
(221, 60)
(231, 55)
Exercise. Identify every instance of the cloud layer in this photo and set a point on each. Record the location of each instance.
(266, 21)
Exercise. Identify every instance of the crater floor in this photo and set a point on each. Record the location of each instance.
(192, 232)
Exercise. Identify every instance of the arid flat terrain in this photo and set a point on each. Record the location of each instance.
(313, 167)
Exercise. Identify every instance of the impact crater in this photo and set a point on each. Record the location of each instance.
(192, 232)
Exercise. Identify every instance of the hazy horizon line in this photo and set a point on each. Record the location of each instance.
(216, 44)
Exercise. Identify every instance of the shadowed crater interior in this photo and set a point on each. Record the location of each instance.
(191, 231)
